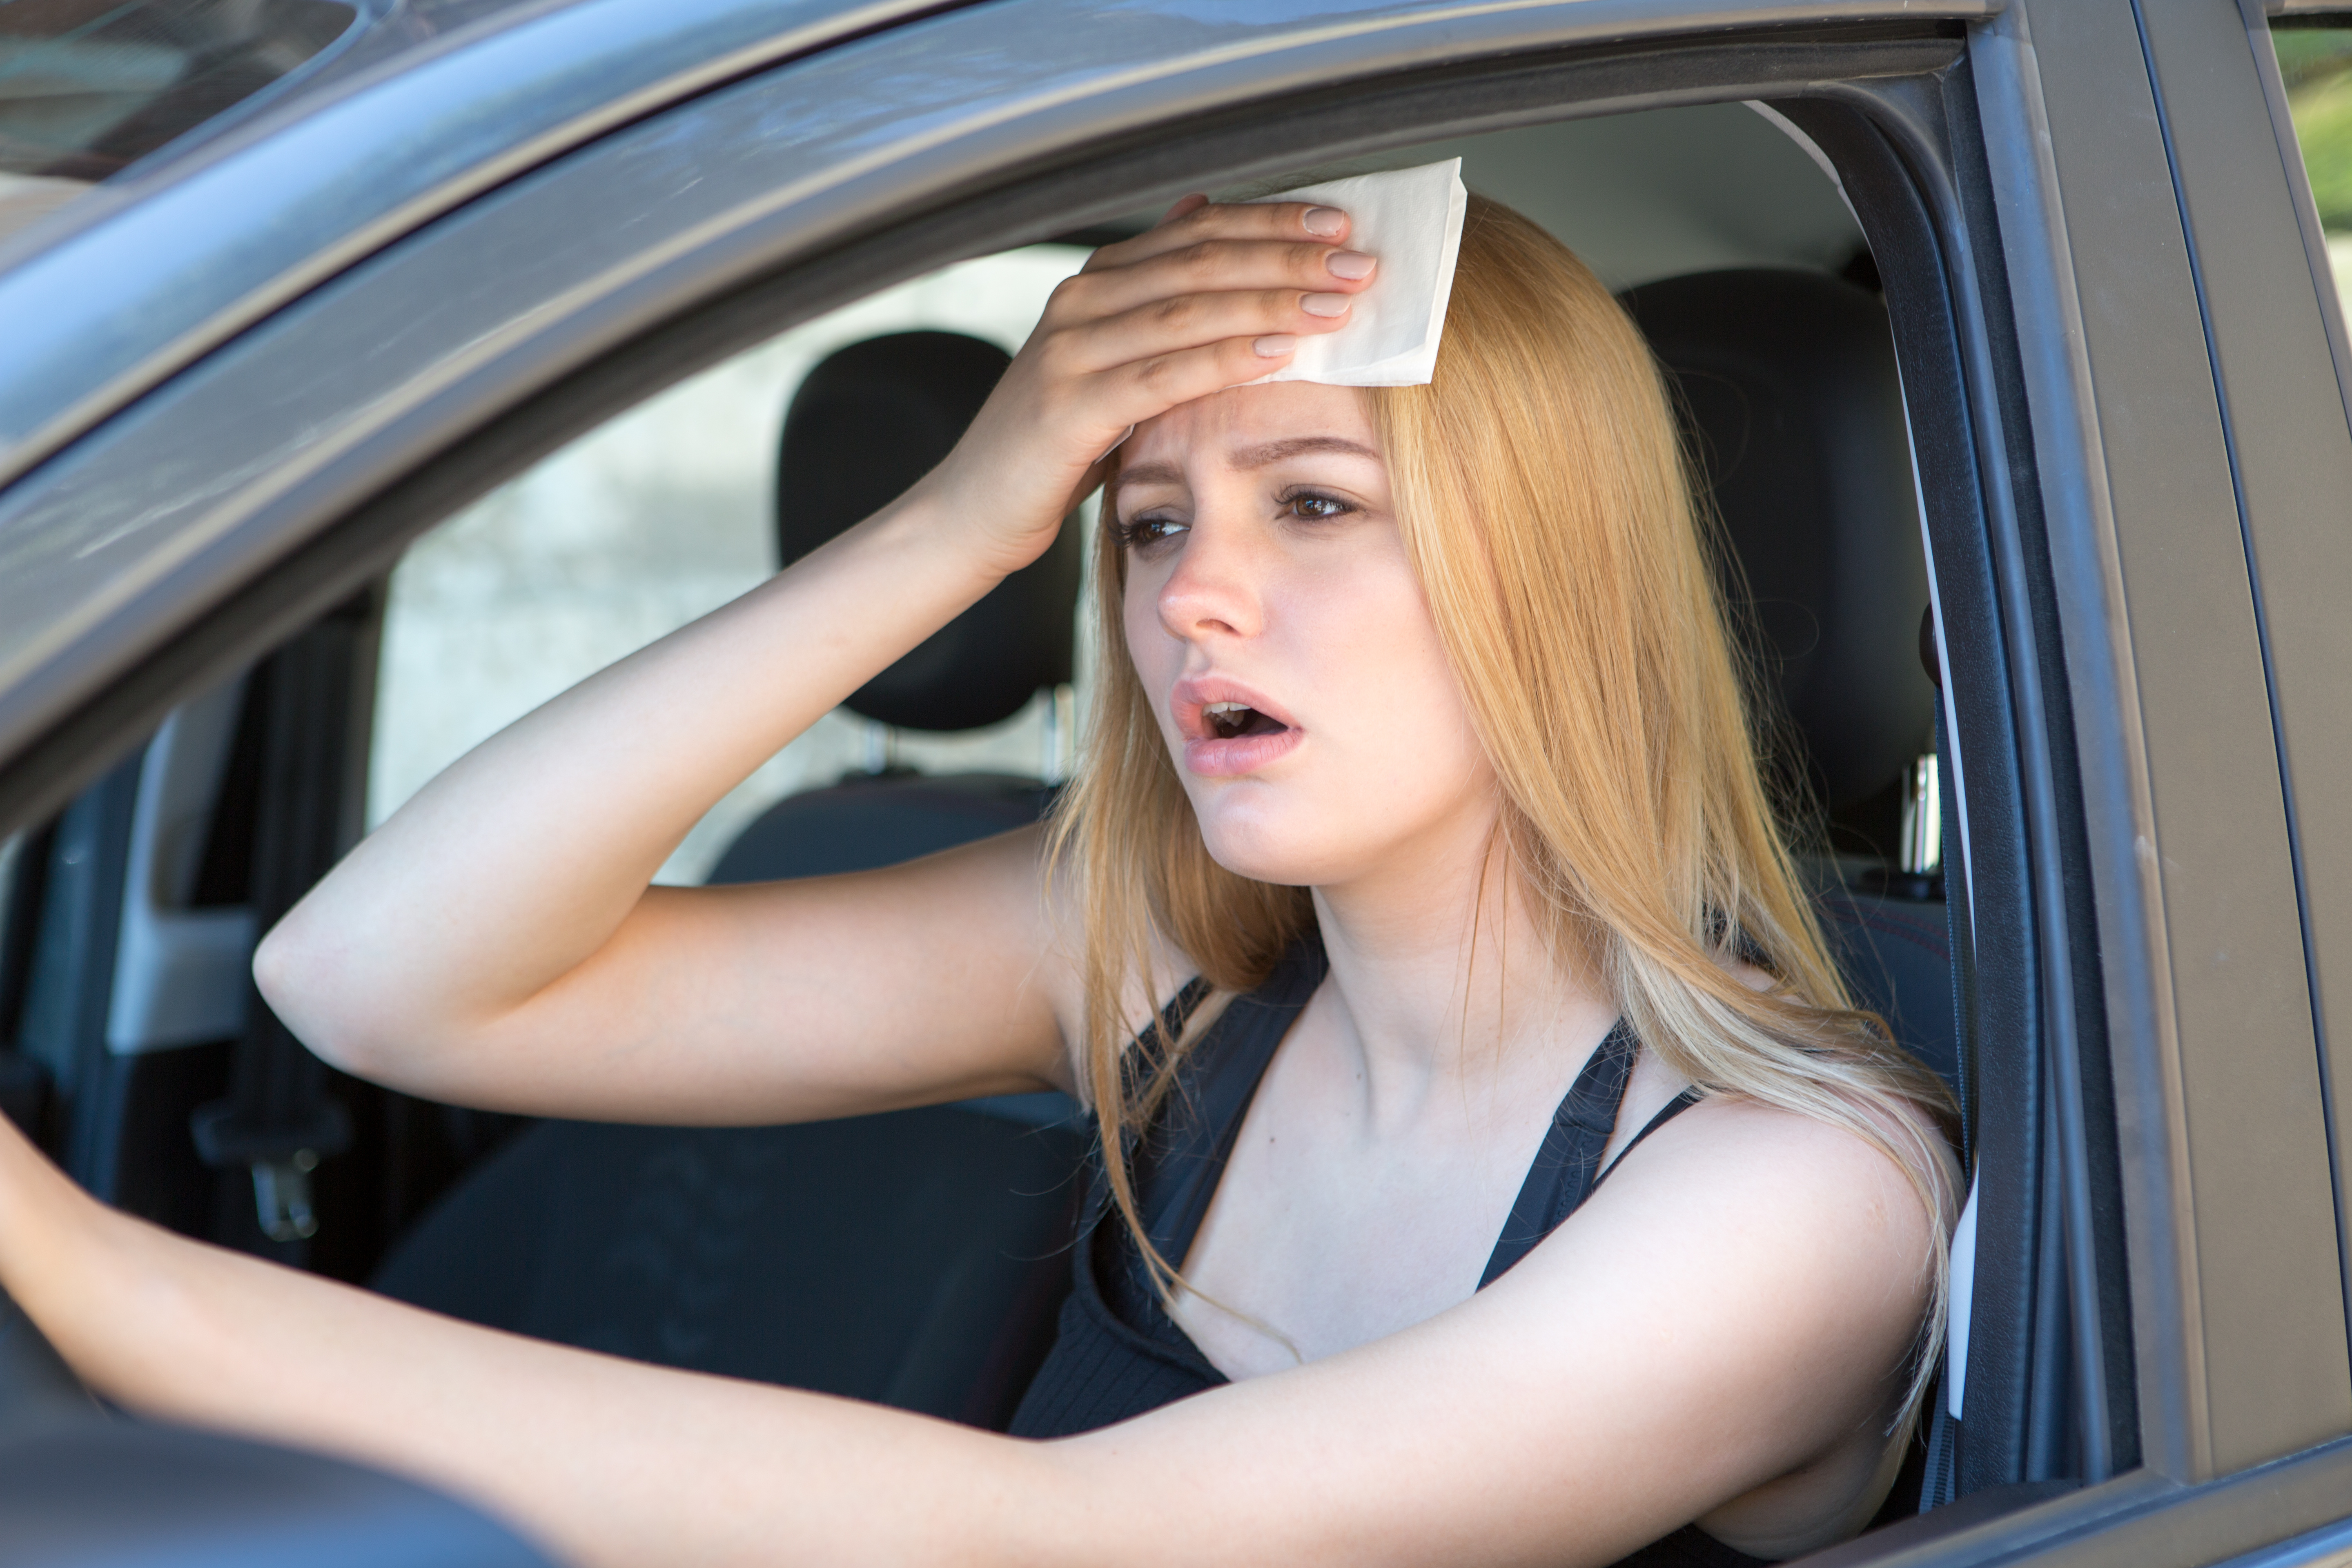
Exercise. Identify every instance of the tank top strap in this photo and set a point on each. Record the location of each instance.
(1666, 1113)
(1180, 1158)
(1564, 1170)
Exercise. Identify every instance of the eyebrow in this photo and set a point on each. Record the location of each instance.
(1162, 473)
(1299, 446)
(1260, 456)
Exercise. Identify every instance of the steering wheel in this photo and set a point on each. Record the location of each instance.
(33, 1376)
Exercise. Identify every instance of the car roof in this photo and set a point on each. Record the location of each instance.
(423, 104)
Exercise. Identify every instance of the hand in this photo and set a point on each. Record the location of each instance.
(1212, 296)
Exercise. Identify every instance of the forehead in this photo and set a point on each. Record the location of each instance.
(1211, 429)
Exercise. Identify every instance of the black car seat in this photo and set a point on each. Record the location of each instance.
(867, 423)
(915, 1258)
(1788, 385)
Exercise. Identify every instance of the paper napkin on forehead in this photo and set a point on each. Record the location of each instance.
(1411, 220)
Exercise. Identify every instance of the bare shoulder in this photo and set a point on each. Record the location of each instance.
(1782, 1176)
(1770, 1274)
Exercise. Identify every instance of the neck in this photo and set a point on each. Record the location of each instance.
(1443, 976)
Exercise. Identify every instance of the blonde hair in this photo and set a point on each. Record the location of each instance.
(1548, 509)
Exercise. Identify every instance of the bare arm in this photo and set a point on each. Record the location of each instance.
(495, 942)
(1734, 1306)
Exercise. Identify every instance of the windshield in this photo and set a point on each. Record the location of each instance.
(88, 86)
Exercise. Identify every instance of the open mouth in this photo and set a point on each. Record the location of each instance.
(1229, 720)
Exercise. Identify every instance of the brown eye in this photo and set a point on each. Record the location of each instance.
(1143, 532)
(1313, 508)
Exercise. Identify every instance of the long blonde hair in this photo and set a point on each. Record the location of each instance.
(1548, 509)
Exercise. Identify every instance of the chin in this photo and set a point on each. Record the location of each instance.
(1290, 849)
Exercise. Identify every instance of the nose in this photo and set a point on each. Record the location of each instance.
(1215, 588)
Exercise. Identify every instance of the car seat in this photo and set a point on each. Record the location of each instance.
(867, 423)
(914, 1258)
(1786, 384)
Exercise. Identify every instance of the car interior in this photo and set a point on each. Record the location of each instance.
(918, 1257)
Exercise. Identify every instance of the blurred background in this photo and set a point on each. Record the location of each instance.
(2316, 64)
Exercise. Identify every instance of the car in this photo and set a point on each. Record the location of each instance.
(369, 371)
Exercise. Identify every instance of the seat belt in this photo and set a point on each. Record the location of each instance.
(280, 1121)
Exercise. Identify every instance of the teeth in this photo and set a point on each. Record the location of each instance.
(1219, 710)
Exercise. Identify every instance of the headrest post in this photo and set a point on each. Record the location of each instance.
(881, 747)
(1922, 847)
(1061, 733)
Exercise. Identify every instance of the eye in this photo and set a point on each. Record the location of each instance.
(1142, 532)
(1314, 506)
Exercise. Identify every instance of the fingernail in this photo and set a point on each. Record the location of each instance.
(1325, 220)
(1274, 345)
(1349, 264)
(1324, 304)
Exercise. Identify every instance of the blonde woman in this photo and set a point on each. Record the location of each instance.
(1418, 870)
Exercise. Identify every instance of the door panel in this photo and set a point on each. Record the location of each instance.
(2238, 1289)
(2279, 404)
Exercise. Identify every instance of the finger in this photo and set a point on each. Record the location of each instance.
(1211, 267)
(1144, 389)
(1228, 220)
(1161, 327)
(1185, 207)
(1236, 220)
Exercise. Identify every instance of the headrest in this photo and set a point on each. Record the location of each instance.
(1788, 384)
(868, 422)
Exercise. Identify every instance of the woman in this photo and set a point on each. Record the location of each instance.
(1420, 746)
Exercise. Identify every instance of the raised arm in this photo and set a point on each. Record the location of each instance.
(496, 943)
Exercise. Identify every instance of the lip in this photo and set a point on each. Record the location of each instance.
(1210, 755)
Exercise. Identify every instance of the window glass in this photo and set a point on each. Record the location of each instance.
(87, 87)
(2316, 63)
(645, 522)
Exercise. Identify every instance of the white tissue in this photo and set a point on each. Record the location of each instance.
(1411, 220)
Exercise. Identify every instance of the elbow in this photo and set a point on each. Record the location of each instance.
(356, 1002)
(293, 974)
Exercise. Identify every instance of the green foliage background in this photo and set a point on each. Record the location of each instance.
(2317, 65)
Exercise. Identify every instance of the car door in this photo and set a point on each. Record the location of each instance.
(2065, 203)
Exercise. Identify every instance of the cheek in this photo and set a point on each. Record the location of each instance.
(1392, 696)
(1394, 757)
(1153, 652)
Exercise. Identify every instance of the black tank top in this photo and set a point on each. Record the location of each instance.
(1119, 1353)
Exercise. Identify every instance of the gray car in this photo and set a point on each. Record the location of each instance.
(369, 371)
